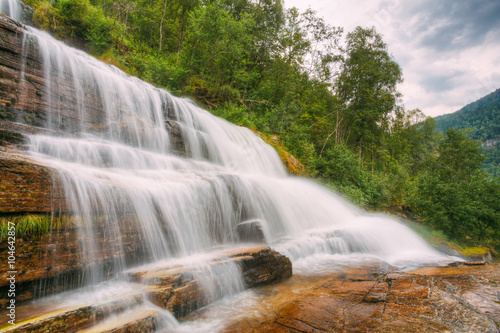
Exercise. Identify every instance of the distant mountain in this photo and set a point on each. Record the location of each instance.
(483, 117)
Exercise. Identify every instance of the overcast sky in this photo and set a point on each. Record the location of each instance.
(449, 50)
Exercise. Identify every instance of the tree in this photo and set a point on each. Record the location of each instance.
(459, 155)
(456, 196)
(367, 86)
(217, 49)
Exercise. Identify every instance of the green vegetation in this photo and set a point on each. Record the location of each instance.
(329, 99)
(456, 196)
(483, 118)
(32, 225)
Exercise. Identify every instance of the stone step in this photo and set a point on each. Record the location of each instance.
(137, 320)
(74, 318)
(180, 289)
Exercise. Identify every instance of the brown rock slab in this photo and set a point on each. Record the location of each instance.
(43, 261)
(144, 321)
(73, 318)
(180, 290)
(27, 186)
(173, 287)
(451, 299)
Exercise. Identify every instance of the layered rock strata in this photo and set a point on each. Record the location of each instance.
(177, 288)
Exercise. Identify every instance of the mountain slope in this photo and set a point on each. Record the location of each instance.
(483, 117)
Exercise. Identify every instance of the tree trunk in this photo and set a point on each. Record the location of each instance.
(161, 24)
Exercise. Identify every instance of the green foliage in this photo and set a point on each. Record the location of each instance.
(492, 160)
(33, 225)
(78, 19)
(235, 114)
(344, 171)
(217, 49)
(456, 196)
(482, 116)
(432, 236)
(459, 156)
(367, 85)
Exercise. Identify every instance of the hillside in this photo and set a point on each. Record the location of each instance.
(483, 118)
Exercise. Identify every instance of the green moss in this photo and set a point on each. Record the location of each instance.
(291, 163)
(479, 250)
(33, 225)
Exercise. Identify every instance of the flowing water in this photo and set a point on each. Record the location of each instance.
(122, 161)
(15, 9)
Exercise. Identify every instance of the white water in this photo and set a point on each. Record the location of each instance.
(122, 161)
(15, 9)
(188, 204)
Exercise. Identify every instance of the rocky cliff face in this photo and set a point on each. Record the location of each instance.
(26, 90)
(25, 185)
(30, 187)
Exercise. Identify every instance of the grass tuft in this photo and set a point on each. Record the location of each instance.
(32, 225)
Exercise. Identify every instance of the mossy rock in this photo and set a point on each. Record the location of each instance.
(480, 253)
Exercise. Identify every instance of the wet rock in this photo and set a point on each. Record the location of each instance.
(475, 263)
(176, 139)
(367, 299)
(8, 137)
(70, 319)
(251, 231)
(143, 321)
(28, 186)
(479, 259)
(43, 261)
(446, 249)
(182, 289)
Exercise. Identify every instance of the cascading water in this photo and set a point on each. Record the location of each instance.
(120, 163)
(15, 9)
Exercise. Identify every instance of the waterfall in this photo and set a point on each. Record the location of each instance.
(119, 165)
(14, 9)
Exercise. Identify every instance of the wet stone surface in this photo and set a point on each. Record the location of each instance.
(449, 299)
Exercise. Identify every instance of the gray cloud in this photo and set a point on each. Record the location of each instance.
(441, 82)
(452, 25)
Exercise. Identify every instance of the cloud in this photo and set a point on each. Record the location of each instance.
(449, 50)
(439, 82)
(451, 25)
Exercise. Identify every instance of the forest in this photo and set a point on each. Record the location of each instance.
(327, 96)
(483, 118)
